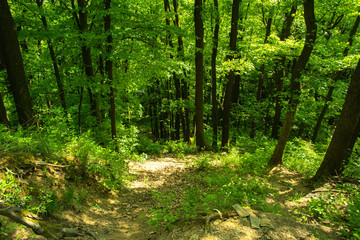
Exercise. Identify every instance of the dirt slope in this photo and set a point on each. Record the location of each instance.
(124, 215)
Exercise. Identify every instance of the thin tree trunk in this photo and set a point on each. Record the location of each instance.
(86, 56)
(184, 95)
(174, 133)
(346, 129)
(199, 79)
(338, 76)
(231, 77)
(54, 61)
(11, 54)
(295, 89)
(109, 72)
(213, 76)
(280, 73)
(261, 78)
(178, 109)
(79, 109)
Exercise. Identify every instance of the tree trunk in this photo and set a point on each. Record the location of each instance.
(79, 108)
(259, 92)
(199, 78)
(174, 124)
(280, 73)
(231, 76)
(338, 76)
(109, 71)
(184, 113)
(346, 128)
(54, 61)
(86, 56)
(300, 65)
(213, 76)
(178, 109)
(11, 54)
(351, 145)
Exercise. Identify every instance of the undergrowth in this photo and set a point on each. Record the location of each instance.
(220, 180)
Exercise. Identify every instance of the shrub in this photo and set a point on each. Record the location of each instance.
(301, 156)
(354, 216)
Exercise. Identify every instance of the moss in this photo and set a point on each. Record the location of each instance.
(20, 160)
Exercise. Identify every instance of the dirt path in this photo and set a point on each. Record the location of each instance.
(124, 216)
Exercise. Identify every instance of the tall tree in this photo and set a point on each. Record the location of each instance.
(338, 76)
(109, 69)
(346, 129)
(199, 78)
(53, 59)
(225, 140)
(213, 74)
(11, 55)
(184, 92)
(295, 86)
(267, 21)
(80, 15)
(279, 71)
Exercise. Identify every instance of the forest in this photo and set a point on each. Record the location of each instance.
(179, 119)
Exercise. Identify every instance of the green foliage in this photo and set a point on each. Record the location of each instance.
(43, 202)
(321, 208)
(69, 196)
(180, 149)
(249, 155)
(228, 188)
(354, 215)
(11, 191)
(215, 189)
(12, 140)
(302, 156)
(352, 169)
(94, 159)
(202, 163)
(146, 145)
(163, 214)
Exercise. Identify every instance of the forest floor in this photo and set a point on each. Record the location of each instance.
(124, 215)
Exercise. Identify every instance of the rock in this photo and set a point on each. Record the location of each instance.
(254, 221)
(265, 223)
(240, 211)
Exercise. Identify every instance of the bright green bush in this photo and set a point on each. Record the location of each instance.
(354, 216)
(105, 163)
(301, 156)
(146, 145)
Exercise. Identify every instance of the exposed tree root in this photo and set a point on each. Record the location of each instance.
(43, 228)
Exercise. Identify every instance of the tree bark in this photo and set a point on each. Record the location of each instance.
(199, 78)
(295, 88)
(213, 75)
(11, 54)
(338, 76)
(345, 130)
(231, 77)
